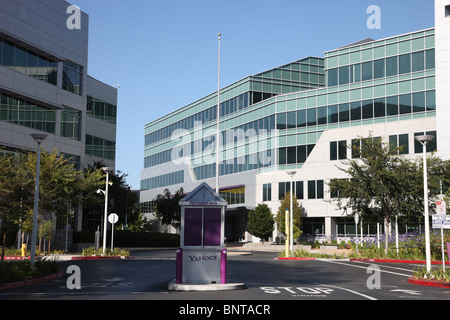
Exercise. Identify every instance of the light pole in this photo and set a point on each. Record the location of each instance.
(38, 138)
(107, 170)
(218, 123)
(424, 140)
(291, 238)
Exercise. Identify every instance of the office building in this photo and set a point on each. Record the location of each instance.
(303, 116)
(45, 87)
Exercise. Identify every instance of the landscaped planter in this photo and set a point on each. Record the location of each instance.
(430, 282)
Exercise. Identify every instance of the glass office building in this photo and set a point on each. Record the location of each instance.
(302, 116)
(45, 88)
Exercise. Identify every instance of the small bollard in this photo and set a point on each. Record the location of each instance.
(24, 250)
(179, 268)
(223, 266)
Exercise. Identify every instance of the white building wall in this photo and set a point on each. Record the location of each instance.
(442, 29)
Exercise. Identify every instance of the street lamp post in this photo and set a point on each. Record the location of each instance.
(38, 138)
(424, 140)
(291, 238)
(107, 170)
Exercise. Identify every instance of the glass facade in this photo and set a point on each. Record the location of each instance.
(72, 77)
(27, 114)
(101, 148)
(163, 180)
(273, 121)
(101, 110)
(28, 62)
(71, 123)
(381, 68)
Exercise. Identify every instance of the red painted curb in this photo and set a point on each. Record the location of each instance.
(429, 283)
(398, 261)
(101, 258)
(28, 282)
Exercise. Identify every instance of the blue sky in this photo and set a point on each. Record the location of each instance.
(164, 53)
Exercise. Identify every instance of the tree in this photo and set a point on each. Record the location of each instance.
(261, 222)
(60, 184)
(121, 199)
(297, 217)
(381, 185)
(168, 209)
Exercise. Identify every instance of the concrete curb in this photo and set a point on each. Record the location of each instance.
(205, 287)
(398, 261)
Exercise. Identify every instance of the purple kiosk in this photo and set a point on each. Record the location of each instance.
(202, 258)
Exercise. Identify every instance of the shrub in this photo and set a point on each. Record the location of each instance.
(22, 270)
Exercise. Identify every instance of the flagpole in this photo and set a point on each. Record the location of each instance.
(218, 124)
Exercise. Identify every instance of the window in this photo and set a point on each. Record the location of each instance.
(70, 123)
(356, 110)
(267, 192)
(391, 66)
(367, 109)
(344, 75)
(418, 61)
(281, 121)
(299, 190)
(311, 189)
(312, 117)
(392, 105)
(301, 118)
(405, 103)
(322, 115)
(357, 73)
(379, 69)
(333, 150)
(344, 112)
(283, 188)
(367, 71)
(338, 150)
(431, 100)
(99, 147)
(333, 115)
(419, 102)
(8, 54)
(291, 155)
(430, 59)
(379, 107)
(291, 120)
(27, 114)
(282, 156)
(332, 77)
(72, 77)
(356, 148)
(400, 141)
(404, 62)
(315, 189)
(447, 10)
(301, 154)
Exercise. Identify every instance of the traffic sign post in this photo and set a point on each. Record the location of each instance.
(441, 221)
(112, 218)
(441, 207)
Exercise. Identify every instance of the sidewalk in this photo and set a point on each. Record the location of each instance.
(269, 247)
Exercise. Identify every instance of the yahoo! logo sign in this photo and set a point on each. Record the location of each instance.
(202, 258)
